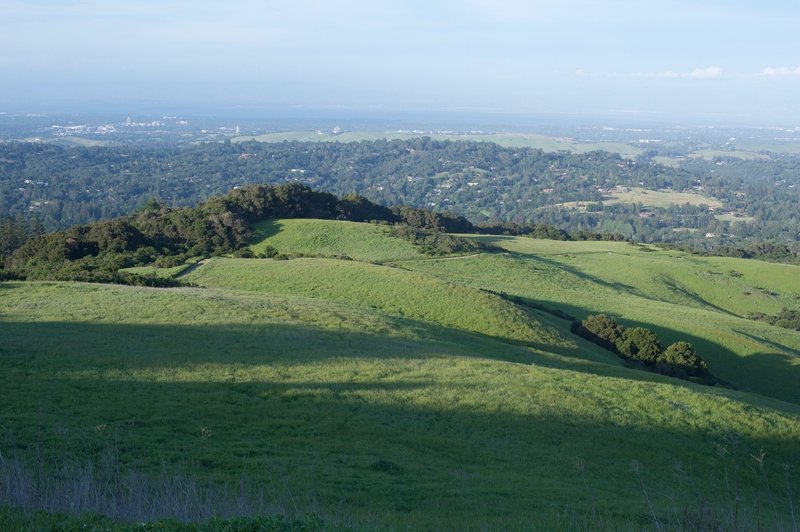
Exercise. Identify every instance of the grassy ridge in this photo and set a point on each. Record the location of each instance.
(396, 291)
(364, 415)
(679, 296)
(359, 241)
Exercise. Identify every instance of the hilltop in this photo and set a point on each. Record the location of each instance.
(402, 373)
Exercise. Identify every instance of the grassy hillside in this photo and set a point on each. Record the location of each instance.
(404, 395)
(699, 299)
(365, 418)
(328, 238)
(392, 290)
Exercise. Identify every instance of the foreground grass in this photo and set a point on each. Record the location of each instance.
(371, 419)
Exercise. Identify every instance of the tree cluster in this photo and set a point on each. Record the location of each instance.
(641, 347)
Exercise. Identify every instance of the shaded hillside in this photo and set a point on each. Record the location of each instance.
(368, 419)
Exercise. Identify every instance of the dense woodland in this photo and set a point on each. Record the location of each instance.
(484, 182)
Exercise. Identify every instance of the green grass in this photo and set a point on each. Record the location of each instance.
(395, 291)
(775, 147)
(71, 141)
(365, 417)
(401, 395)
(330, 238)
(700, 299)
(512, 140)
(667, 161)
(166, 273)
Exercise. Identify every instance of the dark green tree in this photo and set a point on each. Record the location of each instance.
(683, 355)
(639, 344)
(603, 327)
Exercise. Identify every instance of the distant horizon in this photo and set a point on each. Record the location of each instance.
(709, 62)
(432, 117)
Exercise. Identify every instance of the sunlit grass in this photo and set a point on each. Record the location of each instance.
(295, 397)
(374, 395)
(699, 299)
(328, 238)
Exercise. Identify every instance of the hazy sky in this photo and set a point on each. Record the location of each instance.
(720, 58)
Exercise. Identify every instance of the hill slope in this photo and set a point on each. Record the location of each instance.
(328, 238)
(366, 417)
(679, 296)
(405, 396)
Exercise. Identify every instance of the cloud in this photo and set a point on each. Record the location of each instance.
(705, 73)
(711, 72)
(781, 71)
(698, 73)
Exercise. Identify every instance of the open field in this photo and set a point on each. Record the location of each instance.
(166, 273)
(659, 198)
(651, 198)
(738, 154)
(776, 147)
(514, 140)
(393, 290)
(733, 217)
(83, 142)
(353, 394)
(667, 161)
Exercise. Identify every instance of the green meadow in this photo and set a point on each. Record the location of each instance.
(363, 242)
(409, 394)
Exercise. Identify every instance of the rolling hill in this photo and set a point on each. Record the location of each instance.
(400, 390)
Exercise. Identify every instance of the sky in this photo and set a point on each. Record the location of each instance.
(726, 60)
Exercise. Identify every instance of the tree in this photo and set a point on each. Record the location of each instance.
(603, 327)
(683, 355)
(640, 344)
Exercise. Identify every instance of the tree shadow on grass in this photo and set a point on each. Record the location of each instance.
(784, 349)
(265, 229)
